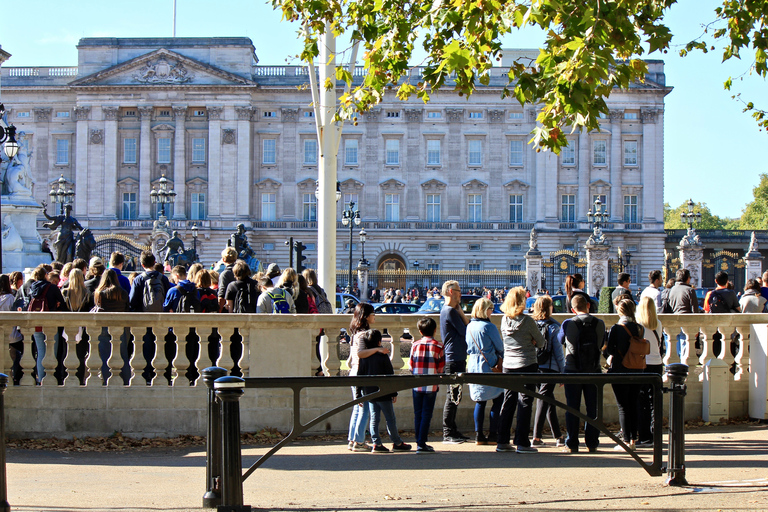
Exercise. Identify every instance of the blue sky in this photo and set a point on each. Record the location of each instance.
(711, 148)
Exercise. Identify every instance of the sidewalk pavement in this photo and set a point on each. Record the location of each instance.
(727, 468)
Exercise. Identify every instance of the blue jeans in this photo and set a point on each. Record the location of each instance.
(495, 411)
(386, 407)
(573, 394)
(358, 421)
(423, 406)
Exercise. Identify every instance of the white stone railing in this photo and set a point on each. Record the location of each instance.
(273, 345)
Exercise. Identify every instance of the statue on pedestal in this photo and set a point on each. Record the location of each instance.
(239, 241)
(17, 180)
(173, 248)
(65, 227)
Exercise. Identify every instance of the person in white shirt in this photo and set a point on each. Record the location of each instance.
(654, 363)
(653, 291)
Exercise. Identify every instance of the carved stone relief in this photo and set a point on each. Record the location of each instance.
(97, 136)
(43, 115)
(163, 71)
(228, 136)
(244, 113)
(289, 114)
(496, 116)
(145, 112)
(413, 115)
(454, 114)
(214, 113)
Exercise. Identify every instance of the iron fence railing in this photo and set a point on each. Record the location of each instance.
(408, 279)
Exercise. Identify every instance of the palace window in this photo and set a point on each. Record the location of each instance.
(475, 208)
(433, 207)
(568, 154)
(129, 151)
(164, 150)
(269, 152)
(630, 209)
(433, 152)
(516, 208)
(310, 207)
(393, 152)
(350, 152)
(568, 208)
(515, 152)
(392, 207)
(630, 152)
(350, 198)
(310, 152)
(62, 151)
(475, 152)
(130, 209)
(197, 206)
(198, 150)
(599, 152)
(475, 115)
(434, 115)
(268, 206)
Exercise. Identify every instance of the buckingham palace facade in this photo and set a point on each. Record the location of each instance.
(453, 183)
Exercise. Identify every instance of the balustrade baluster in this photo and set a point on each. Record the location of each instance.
(248, 335)
(159, 362)
(741, 352)
(397, 362)
(225, 356)
(138, 362)
(27, 361)
(707, 345)
(180, 362)
(331, 348)
(71, 362)
(49, 360)
(688, 355)
(203, 357)
(115, 360)
(93, 361)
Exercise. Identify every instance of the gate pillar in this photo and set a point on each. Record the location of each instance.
(533, 267)
(753, 260)
(597, 266)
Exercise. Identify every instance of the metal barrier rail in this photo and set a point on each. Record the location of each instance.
(224, 477)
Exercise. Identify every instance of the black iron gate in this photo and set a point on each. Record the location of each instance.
(561, 264)
(107, 244)
(726, 261)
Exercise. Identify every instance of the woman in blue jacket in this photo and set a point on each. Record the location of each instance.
(551, 360)
(485, 348)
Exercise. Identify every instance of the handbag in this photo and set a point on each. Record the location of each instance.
(499, 363)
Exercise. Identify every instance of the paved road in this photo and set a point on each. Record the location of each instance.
(727, 470)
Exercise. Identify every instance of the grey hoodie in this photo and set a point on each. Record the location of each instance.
(521, 337)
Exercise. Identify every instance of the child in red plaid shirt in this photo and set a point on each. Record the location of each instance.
(427, 358)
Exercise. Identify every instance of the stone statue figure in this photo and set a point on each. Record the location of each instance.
(12, 241)
(18, 179)
(239, 240)
(753, 243)
(534, 240)
(173, 247)
(66, 225)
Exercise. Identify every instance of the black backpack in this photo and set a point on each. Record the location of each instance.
(717, 303)
(587, 349)
(544, 353)
(188, 302)
(246, 297)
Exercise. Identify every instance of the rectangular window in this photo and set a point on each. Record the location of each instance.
(350, 198)
(309, 113)
(62, 151)
(433, 247)
(433, 266)
(269, 154)
(473, 267)
(433, 207)
(130, 113)
(475, 247)
(630, 152)
(268, 207)
(630, 115)
(129, 206)
(515, 152)
(165, 113)
(268, 246)
(475, 152)
(475, 115)
(270, 113)
(62, 114)
(392, 207)
(630, 209)
(197, 206)
(603, 200)
(198, 150)
(632, 271)
(568, 154)
(393, 152)
(350, 152)
(310, 208)
(393, 114)
(164, 150)
(310, 247)
(568, 208)
(515, 247)
(434, 115)
(22, 114)
(129, 151)
(310, 152)
(515, 115)
(475, 208)
(516, 208)
(198, 113)
(433, 152)
(599, 154)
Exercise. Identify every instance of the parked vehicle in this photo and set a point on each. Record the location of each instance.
(341, 301)
(559, 303)
(435, 304)
(396, 308)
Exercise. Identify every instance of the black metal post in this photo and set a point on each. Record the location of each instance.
(349, 282)
(212, 496)
(4, 506)
(229, 390)
(289, 243)
(677, 373)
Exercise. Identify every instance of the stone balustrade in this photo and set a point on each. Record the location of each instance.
(273, 345)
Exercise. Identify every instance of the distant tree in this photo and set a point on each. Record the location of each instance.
(755, 214)
(708, 220)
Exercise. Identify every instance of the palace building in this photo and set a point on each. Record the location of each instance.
(452, 184)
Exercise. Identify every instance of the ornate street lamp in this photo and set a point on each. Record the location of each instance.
(338, 190)
(162, 195)
(61, 194)
(350, 217)
(689, 218)
(624, 259)
(363, 237)
(194, 240)
(416, 268)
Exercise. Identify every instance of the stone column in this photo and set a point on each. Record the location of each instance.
(81, 160)
(214, 161)
(533, 266)
(111, 144)
(616, 160)
(597, 266)
(362, 281)
(753, 260)
(41, 162)
(244, 181)
(653, 175)
(145, 162)
(691, 256)
(584, 199)
(180, 162)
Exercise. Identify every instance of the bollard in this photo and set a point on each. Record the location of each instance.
(677, 373)
(229, 390)
(4, 506)
(212, 496)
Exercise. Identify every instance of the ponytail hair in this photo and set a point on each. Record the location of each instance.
(571, 282)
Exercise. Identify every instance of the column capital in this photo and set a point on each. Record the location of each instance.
(414, 115)
(244, 112)
(616, 115)
(648, 116)
(43, 115)
(82, 112)
(454, 114)
(179, 112)
(145, 112)
(110, 112)
(289, 114)
(214, 113)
